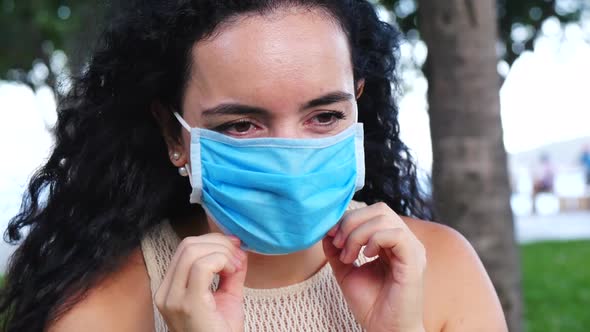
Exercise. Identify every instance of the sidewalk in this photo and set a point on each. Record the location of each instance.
(562, 226)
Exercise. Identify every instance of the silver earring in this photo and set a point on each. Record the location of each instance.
(176, 156)
(182, 171)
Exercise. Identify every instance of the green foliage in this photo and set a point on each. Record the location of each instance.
(32, 29)
(556, 281)
(522, 14)
(529, 15)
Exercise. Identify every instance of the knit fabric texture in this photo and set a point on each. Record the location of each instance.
(316, 304)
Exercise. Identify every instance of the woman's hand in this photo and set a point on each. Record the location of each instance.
(185, 298)
(387, 293)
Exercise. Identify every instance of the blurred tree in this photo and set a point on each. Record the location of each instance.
(465, 43)
(470, 176)
(32, 30)
(519, 21)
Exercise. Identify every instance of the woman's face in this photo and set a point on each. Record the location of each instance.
(285, 74)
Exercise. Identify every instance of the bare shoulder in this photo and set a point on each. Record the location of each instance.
(120, 302)
(440, 237)
(459, 295)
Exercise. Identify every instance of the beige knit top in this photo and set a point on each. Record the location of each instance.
(315, 304)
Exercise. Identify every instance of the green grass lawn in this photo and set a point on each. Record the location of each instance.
(556, 282)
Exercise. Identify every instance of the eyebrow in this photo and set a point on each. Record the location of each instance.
(240, 109)
(330, 98)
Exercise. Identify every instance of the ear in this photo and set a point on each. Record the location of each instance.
(360, 88)
(170, 131)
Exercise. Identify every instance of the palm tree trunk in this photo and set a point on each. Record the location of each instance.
(470, 177)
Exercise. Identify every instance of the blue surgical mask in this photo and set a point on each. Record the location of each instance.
(277, 195)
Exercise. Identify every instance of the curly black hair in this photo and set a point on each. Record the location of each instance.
(109, 179)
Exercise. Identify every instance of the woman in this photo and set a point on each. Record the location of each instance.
(250, 109)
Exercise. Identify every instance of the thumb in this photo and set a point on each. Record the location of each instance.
(332, 253)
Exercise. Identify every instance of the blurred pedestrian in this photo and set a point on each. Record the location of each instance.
(585, 160)
(544, 177)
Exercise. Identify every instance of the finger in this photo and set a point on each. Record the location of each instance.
(229, 242)
(233, 283)
(398, 243)
(203, 271)
(330, 250)
(360, 236)
(353, 218)
(333, 230)
(191, 255)
(332, 253)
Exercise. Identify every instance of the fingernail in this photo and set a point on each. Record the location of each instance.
(337, 240)
(234, 240)
(332, 231)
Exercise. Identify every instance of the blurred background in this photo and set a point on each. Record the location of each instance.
(541, 80)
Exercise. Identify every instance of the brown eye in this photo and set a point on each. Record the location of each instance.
(325, 118)
(242, 127)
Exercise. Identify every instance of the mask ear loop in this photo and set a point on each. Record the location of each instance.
(184, 123)
(190, 173)
(359, 153)
(188, 128)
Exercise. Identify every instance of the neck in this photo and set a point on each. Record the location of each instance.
(280, 271)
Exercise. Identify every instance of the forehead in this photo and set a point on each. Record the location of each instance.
(299, 53)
